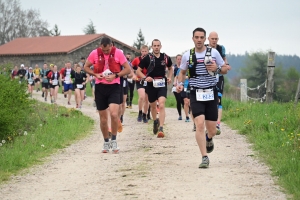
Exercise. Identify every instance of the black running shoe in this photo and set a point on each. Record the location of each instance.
(209, 145)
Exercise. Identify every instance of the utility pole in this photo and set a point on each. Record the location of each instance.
(270, 74)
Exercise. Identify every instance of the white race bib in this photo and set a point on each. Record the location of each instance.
(145, 83)
(185, 89)
(129, 80)
(157, 83)
(205, 94)
(30, 81)
(174, 89)
(79, 86)
(67, 82)
(54, 82)
(124, 83)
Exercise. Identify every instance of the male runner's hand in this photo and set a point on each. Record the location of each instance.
(211, 67)
(99, 76)
(110, 78)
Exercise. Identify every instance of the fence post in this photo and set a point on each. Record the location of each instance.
(297, 96)
(270, 74)
(243, 84)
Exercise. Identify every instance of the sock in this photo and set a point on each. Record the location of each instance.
(113, 137)
(140, 112)
(204, 156)
(187, 118)
(208, 139)
(161, 128)
(144, 115)
(106, 140)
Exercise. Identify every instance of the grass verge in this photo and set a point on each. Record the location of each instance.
(55, 128)
(275, 133)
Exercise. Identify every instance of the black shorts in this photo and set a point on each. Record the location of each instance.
(220, 84)
(155, 93)
(53, 86)
(106, 94)
(185, 94)
(139, 85)
(45, 85)
(75, 87)
(207, 108)
(37, 80)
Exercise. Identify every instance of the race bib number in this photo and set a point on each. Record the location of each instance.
(157, 83)
(145, 83)
(205, 94)
(124, 83)
(54, 82)
(79, 86)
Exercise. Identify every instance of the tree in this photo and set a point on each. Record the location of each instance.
(55, 31)
(140, 41)
(90, 28)
(15, 22)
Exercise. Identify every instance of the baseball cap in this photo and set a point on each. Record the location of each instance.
(22, 65)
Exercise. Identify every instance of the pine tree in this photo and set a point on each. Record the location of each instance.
(90, 28)
(140, 41)
(55, 31)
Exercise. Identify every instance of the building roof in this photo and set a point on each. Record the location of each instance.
(51, 45)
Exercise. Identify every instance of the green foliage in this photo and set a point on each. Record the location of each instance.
(90, 28)
(140, 41)
(274, 130)
(51, 128)
(15, 106)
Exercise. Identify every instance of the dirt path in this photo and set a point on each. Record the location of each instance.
(147, 167)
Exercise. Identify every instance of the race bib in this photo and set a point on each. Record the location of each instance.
(129, 80)
(145, 83)
(157, 83)
(79, 86)
(54, 82)
(185, 89)
(124, 83)
(205, 94)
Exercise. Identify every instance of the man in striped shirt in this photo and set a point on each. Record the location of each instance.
(202, 64)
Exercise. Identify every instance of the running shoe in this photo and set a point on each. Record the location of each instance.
(148, 117)
(51, 101)
(145, 120)
(179, 118)
(140, 118)
(218, 129)
(45, 99)
(209, 144)
(43, 94)
(205, 162)
(187, 120)
(155, 126)
(106, 147)
(65, 95)
(114, 146)
(120, 127)
(161, 133)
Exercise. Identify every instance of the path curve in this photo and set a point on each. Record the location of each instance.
(147, 167)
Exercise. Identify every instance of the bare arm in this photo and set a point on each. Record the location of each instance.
(170, 74)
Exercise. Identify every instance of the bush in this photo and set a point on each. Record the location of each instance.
(15, 106)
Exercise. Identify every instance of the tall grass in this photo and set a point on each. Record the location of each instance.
(275, 132)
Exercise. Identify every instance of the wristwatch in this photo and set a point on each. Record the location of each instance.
(116, 74)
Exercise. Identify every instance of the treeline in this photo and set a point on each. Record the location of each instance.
(238, 61)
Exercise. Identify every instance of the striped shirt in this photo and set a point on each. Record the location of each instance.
(203, 78)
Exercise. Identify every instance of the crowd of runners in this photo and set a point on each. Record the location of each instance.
(196, 77)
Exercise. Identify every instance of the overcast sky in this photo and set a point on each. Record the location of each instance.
(242, 25)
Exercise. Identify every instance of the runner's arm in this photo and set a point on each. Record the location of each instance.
(87, 68)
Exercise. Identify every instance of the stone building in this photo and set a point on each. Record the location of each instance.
(57, 50)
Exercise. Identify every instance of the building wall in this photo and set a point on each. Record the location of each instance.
(58, 59)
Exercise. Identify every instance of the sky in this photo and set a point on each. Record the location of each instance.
(242, 25)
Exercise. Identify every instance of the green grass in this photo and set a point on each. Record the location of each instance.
(275, 133)
(55, 128)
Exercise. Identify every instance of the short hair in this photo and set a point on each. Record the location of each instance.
(77, 65)
(82, 58)
(156, 40)
(144, 47)
(68, 61)
(128, 53)
(200, 30)
(105, 41)
(178, 55)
